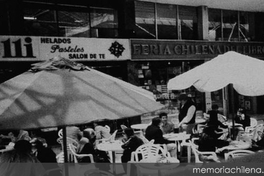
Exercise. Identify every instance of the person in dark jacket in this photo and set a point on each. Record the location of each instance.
(208, 142)
(47, 156)
(153, 131)
(214, 124)
(20, 161)
(44, 154)
(187, 112)
(131, 144)
(242, 118)
(89, 148)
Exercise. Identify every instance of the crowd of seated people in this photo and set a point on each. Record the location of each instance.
(27, 148)
(33, 147)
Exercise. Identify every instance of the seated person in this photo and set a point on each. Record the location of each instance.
(38, 135)
(82, 143)
(132, 142)
(153, 131)
(44, 154)
(218, 128)
(208, 142)
(101, 132)
(242, 118)
(166, 126)
(11, 161)
(89, 148)
(16, 135)
(74, 132)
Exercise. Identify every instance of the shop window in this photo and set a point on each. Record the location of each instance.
(166, 21)
(188, 23)
(145, 20)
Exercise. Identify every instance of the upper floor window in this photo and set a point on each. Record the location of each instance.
(164, 21)
(227, 25)
(145, 20)
(187, 23)
(40, 20)
(67, 20)
(104, 23)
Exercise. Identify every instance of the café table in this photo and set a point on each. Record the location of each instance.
(140, 126)
(112, 147)
(177, 137)
(180, 138)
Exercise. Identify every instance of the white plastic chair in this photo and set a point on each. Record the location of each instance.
(69, 141)
(148, 151)
(60, 156)
(253, 122)
(205, 155)
(251, 133)
(60, 133)
(230, 156)
(73, 150)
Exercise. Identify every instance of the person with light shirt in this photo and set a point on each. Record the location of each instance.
(187, 114)
(166, 126)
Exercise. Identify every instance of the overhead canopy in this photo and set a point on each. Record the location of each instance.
(245, 73)
(59, 97)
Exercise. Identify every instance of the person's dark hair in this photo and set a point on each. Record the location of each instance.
(129, 132)
(162, 114)
(89, 133)
(37, 133)
(23, 146)
(15, 132)
(38, 144)
(241, 110)
(215, 107)
(183, 96)
(156, 121)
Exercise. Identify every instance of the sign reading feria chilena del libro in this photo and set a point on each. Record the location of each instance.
(29, 48)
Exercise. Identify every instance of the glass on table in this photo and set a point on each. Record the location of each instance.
(176, 128)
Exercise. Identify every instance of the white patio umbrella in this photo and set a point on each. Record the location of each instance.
(57, 97)
(244, 73)
(60, 92)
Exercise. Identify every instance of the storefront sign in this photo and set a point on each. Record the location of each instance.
(18, 48)
(193, 50)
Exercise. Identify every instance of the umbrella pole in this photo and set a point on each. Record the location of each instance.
(233, 111)
(66, 170)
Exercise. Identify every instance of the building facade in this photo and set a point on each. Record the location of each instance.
(144, 42)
